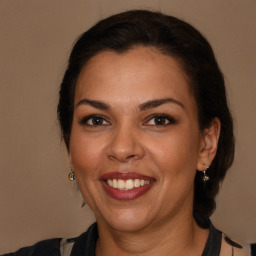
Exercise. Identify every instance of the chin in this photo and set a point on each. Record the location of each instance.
(127, 221)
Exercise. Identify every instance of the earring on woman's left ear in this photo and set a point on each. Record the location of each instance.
(71, 175)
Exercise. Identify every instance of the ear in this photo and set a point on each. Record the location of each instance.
(209, 145)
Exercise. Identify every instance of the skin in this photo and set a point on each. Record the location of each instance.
(127, 138)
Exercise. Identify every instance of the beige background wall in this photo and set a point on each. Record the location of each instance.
(36, 199)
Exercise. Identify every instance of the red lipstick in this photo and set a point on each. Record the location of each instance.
(129, 194)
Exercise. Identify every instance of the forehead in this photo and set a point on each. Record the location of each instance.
(140, 73)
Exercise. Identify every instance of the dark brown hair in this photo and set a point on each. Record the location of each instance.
(178, 39)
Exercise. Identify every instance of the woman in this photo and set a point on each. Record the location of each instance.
(144, 115)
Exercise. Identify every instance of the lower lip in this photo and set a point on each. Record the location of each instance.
(130, 194)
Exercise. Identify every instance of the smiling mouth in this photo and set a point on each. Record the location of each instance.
(126, 186)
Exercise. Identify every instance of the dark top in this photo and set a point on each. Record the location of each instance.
(85, 244)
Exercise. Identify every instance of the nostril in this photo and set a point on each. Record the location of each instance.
(131, 156)
(123, 158)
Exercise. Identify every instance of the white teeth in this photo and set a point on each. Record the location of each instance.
(121, 184)
(127, 184)
(114, 183)
(110, 183)
(136, 183)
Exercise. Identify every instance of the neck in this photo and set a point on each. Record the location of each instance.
(181, 237)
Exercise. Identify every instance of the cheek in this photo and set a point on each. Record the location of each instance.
(176, 153)
(85, 153)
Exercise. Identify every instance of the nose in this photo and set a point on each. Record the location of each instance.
(125, 145)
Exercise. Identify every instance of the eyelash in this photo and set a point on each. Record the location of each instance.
(103, 122)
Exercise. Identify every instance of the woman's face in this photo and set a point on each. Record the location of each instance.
(135, 141)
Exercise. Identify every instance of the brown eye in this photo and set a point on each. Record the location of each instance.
(160, 120)
(94, 120)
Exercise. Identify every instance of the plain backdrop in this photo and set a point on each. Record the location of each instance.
(36, 199)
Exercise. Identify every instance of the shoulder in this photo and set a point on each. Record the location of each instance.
(47, 247)
(233, 248)
(82, 245)
(220, 244)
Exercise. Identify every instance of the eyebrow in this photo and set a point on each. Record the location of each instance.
(94, 103)
(144, 106)
(159, 102)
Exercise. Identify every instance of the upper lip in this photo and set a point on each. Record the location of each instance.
(125, 176)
